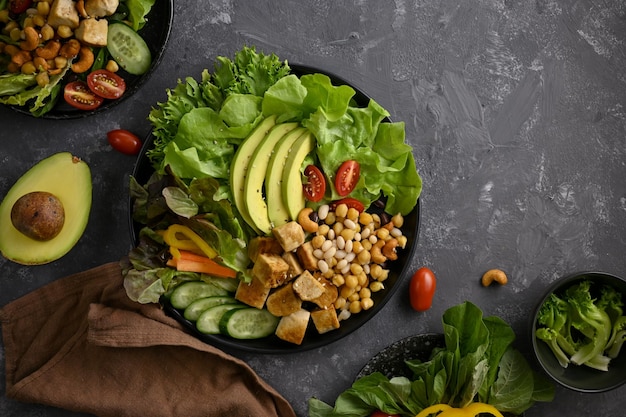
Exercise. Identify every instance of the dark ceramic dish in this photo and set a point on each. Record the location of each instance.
(273, 344)
(156, 33)
(579, 378)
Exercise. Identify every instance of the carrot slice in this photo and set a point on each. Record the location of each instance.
(190, 262)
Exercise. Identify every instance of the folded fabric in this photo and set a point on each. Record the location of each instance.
(80, 344)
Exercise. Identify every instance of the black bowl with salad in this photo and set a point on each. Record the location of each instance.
(183, 178)
(82, 62)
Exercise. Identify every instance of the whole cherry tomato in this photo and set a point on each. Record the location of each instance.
(347, 177)
(124, 141)
(77, 94)
(315, 187)
(106, 84)
(19, 6)
(379, 413)
(422, 289)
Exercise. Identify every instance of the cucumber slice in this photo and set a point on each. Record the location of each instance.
(128, 48)
(228, 284)
(248, 323)
(193, 310)
(190, 291)
(209, 320)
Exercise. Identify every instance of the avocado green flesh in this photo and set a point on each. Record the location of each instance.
(276, 207)
(293, 196)
(253, 187)
(69, 179)
(241, 160)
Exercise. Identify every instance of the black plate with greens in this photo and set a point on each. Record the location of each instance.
(272, 344)
(156, 33)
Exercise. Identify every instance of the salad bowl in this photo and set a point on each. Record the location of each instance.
(155, 33)
(272, 344)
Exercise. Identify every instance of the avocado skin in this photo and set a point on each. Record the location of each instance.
(240, 163)
(69, 179)
(254, 199)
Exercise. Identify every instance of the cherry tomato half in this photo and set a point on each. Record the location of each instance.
(347, 177)
(106, 84)
(379, 413)
(19, 6)
(315, 187)
(78, 94)
(350, 202)
(124, 141)
(422, 289)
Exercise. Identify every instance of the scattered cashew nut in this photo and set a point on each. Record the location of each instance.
(50, 50)
(376, 252)
(70, 49)
(85, 60)
(492, 275)
(305, 221)
(31, 39)
(389, 250)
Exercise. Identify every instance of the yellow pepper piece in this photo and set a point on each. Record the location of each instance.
(475, 409)
(193, 241)
(437, 408)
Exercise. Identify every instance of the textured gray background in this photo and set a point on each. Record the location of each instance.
(516, 113)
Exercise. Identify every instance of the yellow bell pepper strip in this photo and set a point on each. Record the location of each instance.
(193, 241)
(472, 410)
(433, 409)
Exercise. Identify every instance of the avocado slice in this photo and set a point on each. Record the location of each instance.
(68, 178)
(240, 162)
(253, 186)
(276, 208)
(293, 196)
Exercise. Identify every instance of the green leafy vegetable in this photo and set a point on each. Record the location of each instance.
(137, 11)
(581, 329)
(477, 364)
(21, 91)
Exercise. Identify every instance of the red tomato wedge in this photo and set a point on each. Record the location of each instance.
(350, 202)
(347, 177)
(19, 6)
(77, 94)
(422, 289)
(124, 141)
(106, 84)
(379, 413)
(315, 187)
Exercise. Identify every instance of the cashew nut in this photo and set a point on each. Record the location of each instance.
(80, 8)
(376, 253)
(389, 250)
(31, 39)
(20, 58)
(85, 60)
(305, 221)
(50, 50)
(11, 50)
(70, 49)
(492, 275)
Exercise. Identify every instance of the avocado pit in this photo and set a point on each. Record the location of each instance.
(39, 215)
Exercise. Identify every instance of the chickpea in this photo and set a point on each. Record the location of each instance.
(46, 32)
(28, 68)
(367, 303)
(351, 281)
(112, 66)
(64, 31)
(43, 8)
(43, 79)
(341, 210)
(355, 307)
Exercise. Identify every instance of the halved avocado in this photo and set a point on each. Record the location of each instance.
(293, 195)
(68, 178)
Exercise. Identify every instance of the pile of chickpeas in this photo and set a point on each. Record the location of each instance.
(352, 249)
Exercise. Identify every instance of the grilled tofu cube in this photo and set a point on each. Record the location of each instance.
(328, 297)
(295, 268)
(270, 269)
(263, 244)
(290, 235)
(92, 32)
(101, 8)
(292, 328)
(308, 287)
(283, 301)
(325, 320)
(306, 257)
(253, 294)
(63, 12)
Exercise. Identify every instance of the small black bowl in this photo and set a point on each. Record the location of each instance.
(579, 377)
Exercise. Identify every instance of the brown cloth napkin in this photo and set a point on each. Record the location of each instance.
(80, 344)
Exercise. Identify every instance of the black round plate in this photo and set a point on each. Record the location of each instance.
(156, 33)
(272, 344)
